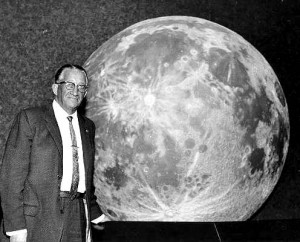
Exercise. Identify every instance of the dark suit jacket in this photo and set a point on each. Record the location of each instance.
(32, 170)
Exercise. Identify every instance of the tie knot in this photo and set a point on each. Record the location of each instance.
(70, 118)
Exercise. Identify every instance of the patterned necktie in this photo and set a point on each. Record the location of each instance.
(75, 175)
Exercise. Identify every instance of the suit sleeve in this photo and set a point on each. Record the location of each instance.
(95, 209)
(15, 167)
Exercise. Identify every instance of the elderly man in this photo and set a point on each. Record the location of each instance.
(46, 182)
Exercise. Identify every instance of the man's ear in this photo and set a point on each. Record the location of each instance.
(54, 89)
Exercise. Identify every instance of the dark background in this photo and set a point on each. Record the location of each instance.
(37, 37)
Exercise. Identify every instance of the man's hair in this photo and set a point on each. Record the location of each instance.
(70, 66)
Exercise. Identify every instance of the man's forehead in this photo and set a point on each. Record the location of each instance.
(72, 74)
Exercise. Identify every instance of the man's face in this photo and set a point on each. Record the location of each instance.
(69, 100)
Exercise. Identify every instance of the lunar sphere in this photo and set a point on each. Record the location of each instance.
(191, 123)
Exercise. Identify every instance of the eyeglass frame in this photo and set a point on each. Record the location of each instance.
(73, 86)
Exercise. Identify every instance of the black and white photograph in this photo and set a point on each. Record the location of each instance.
(149, 120)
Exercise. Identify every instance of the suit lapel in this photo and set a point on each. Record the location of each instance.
(84, 132)
(53, 128)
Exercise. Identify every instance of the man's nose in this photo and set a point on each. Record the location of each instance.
(75, 90)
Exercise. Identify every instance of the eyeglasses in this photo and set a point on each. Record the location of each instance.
(71, 86)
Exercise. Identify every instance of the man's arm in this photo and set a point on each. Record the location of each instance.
(96, 214)
(14, 171)
(95, 209)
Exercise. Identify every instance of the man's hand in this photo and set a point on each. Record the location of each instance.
(18, 237)
(98, 223)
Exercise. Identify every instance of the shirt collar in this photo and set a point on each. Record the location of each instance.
(60, 112)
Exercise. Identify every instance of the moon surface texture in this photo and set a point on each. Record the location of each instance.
(191, 123)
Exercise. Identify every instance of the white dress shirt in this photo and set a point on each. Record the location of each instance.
(63, 124)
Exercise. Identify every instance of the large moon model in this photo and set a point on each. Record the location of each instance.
(192, 123)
